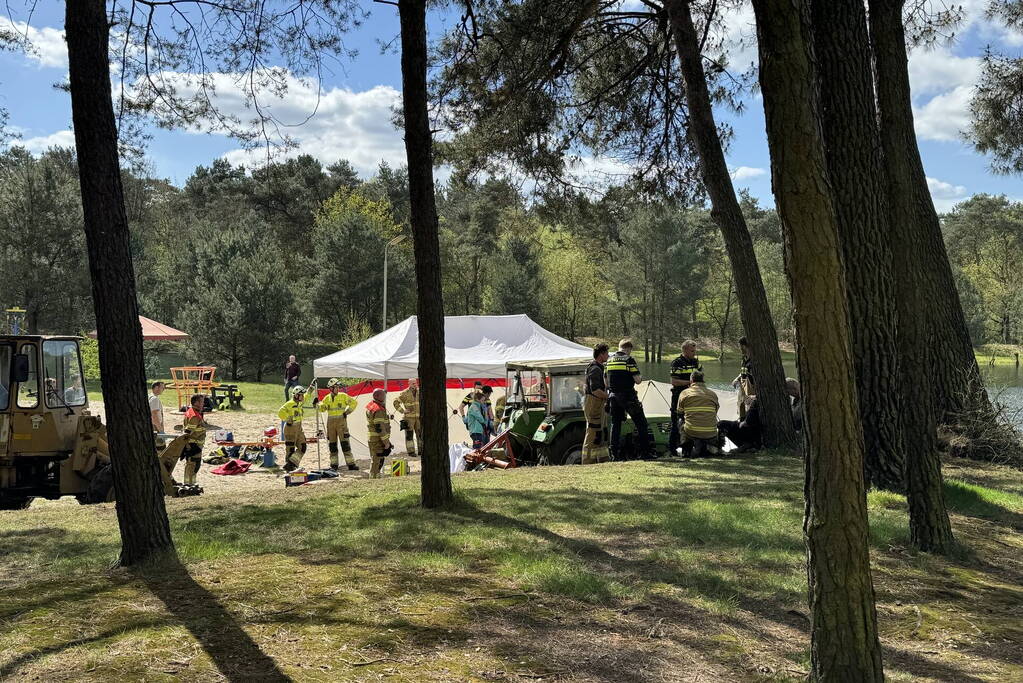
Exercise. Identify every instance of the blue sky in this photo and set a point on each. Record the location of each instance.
(353, 116)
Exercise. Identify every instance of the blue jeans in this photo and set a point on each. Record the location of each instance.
(288, 384)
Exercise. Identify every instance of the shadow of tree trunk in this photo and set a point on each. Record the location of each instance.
(232, 650)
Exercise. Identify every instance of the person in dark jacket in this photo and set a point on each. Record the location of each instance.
(746, 433)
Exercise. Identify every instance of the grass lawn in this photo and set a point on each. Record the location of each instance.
(623, 572)
(260, 397)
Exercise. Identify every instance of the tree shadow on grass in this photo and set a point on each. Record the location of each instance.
(231, 649)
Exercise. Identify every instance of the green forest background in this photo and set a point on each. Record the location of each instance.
(246, 261)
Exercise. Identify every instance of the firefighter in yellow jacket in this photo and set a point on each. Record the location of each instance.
(378, 424)
(700, 406)
(291, 413)
(338, 405)
(407, 404)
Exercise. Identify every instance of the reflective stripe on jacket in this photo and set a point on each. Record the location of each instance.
(378, 423)
(195, 426)
(407, 403)
(338, 405)
(700, 406)
(292, 412)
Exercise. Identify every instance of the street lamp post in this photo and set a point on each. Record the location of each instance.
(393, 242)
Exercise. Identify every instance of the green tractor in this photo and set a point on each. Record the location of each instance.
(542, 420)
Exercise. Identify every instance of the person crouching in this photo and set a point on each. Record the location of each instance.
(378, 424)
(700, 429)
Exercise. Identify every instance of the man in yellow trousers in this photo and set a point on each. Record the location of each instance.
(407, 404)
(338, 405)
(378, 425)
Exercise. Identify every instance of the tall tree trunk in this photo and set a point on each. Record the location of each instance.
(844, 640)
(141, 515)
(955, 375)
(726, 212)
(919, 338)
(853, 152)
(436, 480)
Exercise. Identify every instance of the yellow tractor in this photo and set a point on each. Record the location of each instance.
(50, 444)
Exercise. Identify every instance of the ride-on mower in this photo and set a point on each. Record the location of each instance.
(50, 444)
(543, 422)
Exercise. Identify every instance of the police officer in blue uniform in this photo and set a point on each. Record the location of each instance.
(622, 377)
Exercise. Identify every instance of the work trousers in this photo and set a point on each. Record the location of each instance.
(675, 435)
(379, 448)
(192, 455)
(294, 446)
(594, 443)
(337, 431)
(630, 405)
(413, 433)
(694, 447)
(744, 395)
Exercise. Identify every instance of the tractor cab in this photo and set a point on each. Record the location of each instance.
(50, 444)
(543, 422)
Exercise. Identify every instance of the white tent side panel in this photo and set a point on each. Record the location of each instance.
(474, 346)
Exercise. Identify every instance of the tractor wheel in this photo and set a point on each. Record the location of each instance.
(100, 485)
(568, 450)
(15, 503)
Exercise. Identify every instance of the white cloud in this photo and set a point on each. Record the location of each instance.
(62, 138)
(945, 195)
(46, 45)
(938, 71)
(744, 172)
(945, 116)
(345, 124)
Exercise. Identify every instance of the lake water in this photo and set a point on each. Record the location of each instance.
(1005, 383)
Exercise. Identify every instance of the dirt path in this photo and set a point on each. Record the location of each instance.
(249, 426)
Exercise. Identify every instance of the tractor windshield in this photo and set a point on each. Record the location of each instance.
(566, 392)
(5, 376)
(64, 382)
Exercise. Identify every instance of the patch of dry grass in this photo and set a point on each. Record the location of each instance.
(624, 572)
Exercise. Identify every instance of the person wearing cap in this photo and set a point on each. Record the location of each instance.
(291, 414)
(407, 405)
(378, 425)
(338, 405)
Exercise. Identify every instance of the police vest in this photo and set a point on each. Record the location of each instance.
(621, 369)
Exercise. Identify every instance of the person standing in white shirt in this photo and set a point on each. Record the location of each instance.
(156, 407)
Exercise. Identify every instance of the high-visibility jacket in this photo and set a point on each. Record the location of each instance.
(378, 423)
(621, 370)
(700, 406)
(195, 426)
(292, 412)
(682, 367)
(407, 402)
(338, 405)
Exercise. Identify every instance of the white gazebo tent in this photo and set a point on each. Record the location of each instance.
(476, 346)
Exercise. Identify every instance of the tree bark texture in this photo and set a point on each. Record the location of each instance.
(853, 152)
(918, 338)
(757, 322)
(844, 640)
(956, 381)
(141, 515)
(436, 479)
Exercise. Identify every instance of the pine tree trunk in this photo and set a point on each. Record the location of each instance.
(727, 214)
(141, 515)
(853, 152)
(436, 479)
(844, 640)
(918, 338)
(955, 375)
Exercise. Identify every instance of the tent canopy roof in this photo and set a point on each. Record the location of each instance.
(155, 331)
(474, 346)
